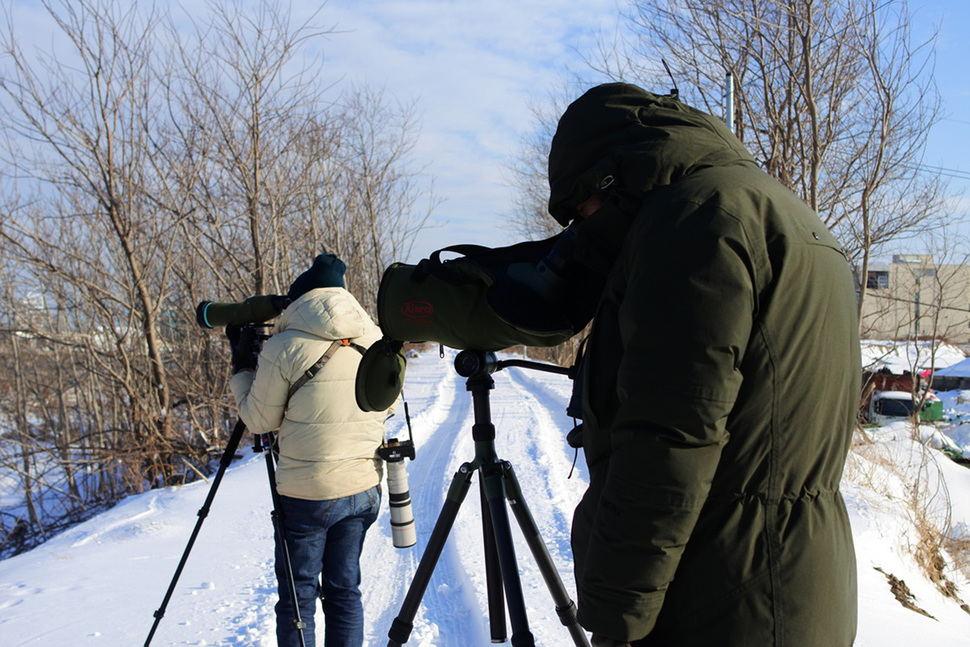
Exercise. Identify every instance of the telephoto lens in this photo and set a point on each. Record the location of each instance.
(402, 517)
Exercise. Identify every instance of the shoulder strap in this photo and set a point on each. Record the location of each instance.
(310, 372)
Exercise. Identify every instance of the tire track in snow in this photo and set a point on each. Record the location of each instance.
(551, 492)
(441, 413)
(530, 434)
(529, 416)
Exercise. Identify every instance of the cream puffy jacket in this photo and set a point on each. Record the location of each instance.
(327, 445)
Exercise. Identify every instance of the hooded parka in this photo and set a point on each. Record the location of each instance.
(327, 445)
(721, 381)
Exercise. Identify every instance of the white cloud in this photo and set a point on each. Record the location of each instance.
(473, 69)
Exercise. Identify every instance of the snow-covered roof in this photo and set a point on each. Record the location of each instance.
(960, 369)
(909, 357)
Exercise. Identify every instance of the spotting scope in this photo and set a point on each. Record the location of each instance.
(253, 310)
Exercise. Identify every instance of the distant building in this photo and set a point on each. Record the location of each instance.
(913, 298)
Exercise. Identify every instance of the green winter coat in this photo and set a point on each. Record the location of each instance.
(721, 384)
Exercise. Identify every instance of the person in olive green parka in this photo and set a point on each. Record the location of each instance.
(721, 381)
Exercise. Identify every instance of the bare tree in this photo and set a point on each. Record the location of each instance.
(530, 173)
(382, 207)
(147, 168)
(246, 101)
(89, 223)
(833, 98)
(285, 171)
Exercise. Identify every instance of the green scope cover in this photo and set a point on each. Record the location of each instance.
(380, 376)
(450, 303)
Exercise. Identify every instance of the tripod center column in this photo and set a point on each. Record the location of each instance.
(483, 429)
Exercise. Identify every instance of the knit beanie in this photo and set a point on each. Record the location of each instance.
(327, 271)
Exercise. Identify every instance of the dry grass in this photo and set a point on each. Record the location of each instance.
(903, 594)
(887, 471)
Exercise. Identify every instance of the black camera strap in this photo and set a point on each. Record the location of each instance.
(310, 372)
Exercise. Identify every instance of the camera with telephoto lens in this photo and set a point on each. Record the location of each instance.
(402, 517)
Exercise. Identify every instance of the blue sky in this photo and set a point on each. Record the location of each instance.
(950, 143)
(474, 67)
(948, 146)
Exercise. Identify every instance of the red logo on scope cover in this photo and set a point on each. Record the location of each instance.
(417, 311)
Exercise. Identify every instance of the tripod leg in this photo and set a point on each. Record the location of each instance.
(224, 462)
(277, 516)
(404, 622)
(565, 607)
(493, 480)
(493, 574)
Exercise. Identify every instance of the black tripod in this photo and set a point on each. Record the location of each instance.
(262, 443)
(497, 484)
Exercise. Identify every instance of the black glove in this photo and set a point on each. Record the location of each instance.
(244, 343)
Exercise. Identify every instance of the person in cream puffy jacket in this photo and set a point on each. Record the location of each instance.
(329, 472)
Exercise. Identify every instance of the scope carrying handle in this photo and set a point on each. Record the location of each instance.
(485, 260)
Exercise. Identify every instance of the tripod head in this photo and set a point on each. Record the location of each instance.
(477, 363)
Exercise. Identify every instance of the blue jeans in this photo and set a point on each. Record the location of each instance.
(325, 539)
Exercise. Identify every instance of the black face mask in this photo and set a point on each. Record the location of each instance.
(570, 278)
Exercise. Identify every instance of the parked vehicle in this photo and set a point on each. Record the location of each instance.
(888, 406)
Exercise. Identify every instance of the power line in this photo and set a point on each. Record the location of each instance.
(874, 293)
(956, 121)
(948, 172)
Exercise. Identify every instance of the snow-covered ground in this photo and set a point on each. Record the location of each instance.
(101, 582)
